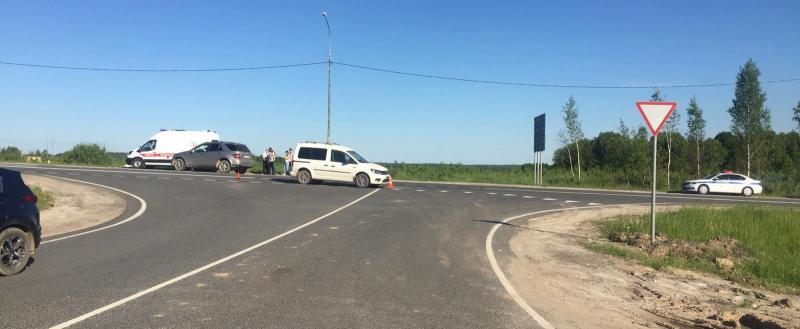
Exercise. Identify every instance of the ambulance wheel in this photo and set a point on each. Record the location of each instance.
(138, 163)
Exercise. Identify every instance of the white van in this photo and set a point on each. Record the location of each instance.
(331, 162)
(160, 148)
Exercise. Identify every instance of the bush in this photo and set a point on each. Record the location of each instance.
(91, 154)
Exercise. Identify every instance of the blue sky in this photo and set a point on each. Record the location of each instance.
(387, 117)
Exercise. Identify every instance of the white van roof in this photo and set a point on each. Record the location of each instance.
(326, 145)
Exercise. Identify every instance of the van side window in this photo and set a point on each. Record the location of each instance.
(312, 153)
(340, 157)
(148, 146)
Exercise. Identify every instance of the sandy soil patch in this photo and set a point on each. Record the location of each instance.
(77, 206)
(573, 287)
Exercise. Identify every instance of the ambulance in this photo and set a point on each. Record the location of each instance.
(159, 149)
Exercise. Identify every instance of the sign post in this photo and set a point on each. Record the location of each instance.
(538, 148)
(655, 114)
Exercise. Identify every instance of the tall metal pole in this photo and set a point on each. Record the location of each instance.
(330, 67)
(653, 204)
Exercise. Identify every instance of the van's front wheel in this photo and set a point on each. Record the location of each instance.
(362, 180)
(138, 163)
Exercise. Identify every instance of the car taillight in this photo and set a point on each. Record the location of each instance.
(30, 198)
(237, 155)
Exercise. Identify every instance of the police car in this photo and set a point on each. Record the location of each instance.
(725, 182)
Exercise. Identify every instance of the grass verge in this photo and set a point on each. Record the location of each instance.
(45, 197)
(768, 236)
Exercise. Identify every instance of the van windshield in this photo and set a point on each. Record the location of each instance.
(357, 156)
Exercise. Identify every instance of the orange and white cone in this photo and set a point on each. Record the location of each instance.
(391, 184)
(238, 175)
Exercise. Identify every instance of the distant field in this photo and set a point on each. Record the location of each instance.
(768, 235)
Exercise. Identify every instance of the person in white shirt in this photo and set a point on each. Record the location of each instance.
(264, 162)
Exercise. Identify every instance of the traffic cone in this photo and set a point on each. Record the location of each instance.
(391, 184)
(238, 175)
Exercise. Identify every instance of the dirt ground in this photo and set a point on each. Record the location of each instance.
(573, 287)
(77, 206)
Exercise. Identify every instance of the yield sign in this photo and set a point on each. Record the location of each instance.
(655, 114)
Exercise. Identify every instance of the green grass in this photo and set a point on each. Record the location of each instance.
(771, 236)
(45, 197)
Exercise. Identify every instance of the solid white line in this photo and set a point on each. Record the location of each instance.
(201, 269)
(138, 213)
(128, 171)
(502, 277)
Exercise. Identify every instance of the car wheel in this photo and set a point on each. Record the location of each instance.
(362, 180)
(14, 251)
(138, 163)
(303, 176)
(747, 191)
(224, 166)
(702, 189)
(179, 165)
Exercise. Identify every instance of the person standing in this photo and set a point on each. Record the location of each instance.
(264, 162)
(271, 161)
(287, 162)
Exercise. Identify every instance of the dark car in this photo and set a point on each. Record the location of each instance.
(215, 155)
(20, 231)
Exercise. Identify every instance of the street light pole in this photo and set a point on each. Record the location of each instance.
(330, 66)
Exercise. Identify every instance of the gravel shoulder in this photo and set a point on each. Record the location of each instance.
(77, 206)
(573, 287)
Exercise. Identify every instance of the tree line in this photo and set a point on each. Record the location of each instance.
(750, 147)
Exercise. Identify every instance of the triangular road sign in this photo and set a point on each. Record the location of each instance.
(655, 114)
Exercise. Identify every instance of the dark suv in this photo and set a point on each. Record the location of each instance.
(20, 232)
(222, 156)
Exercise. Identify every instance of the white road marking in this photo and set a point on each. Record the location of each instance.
(142, 177)
(595, 204)
(119, 176)
(233, 181)
(203, 268)
(492, 193)
(255, 182)
(127, 171)
(549, 199)
(420, 190)
(209, 180)
(443, 191)
(660, 195)
(467, 192)
(502, 277)
(570, 201)
(528, 197)
(138, 213)
(508, 194)
(164, 178)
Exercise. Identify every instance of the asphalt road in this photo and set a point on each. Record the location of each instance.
(264, 252)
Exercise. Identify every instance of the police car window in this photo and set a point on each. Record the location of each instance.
(148, 146)
(736, 177)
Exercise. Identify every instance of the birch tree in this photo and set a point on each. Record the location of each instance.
(697, 128)
(574, 130)
(750, 118)
(797, 115)
(564, 139)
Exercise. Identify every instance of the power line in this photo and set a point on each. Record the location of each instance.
(529, 84)
(383, 70)
(105, 69)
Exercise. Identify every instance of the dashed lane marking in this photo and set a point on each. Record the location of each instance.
(549, 199)
(142, 177)
(492, 193)
(209, 180)
(164, 178)
(420, 190)
(508, 194)
(595, 204)
(528, 197)
(467, 192)
(443, 191)
(255, 182)
(570, 201)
